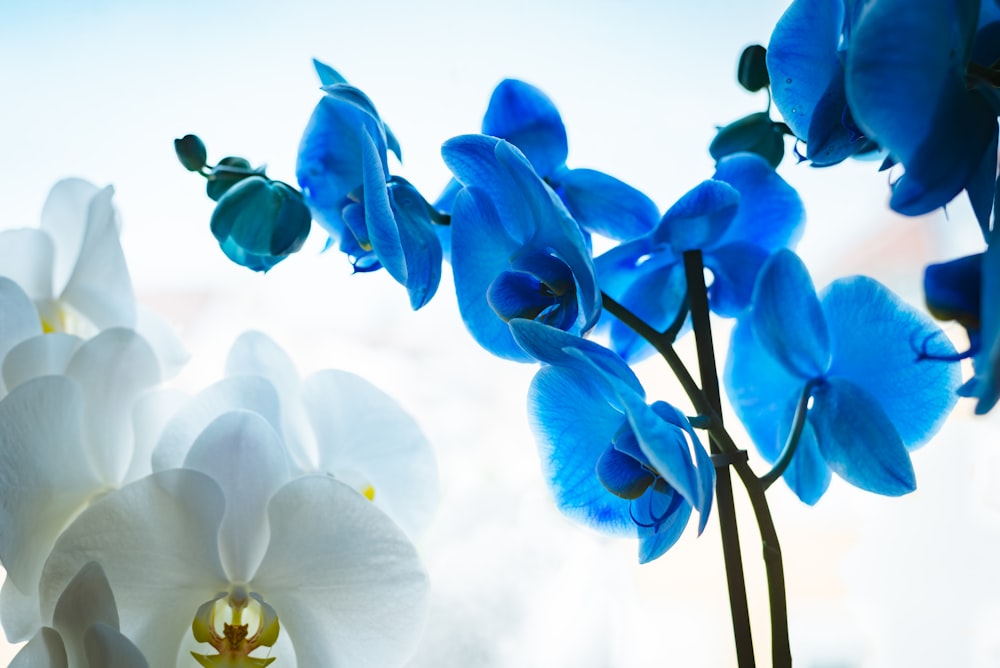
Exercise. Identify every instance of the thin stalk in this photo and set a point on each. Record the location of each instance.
(698, 302)
(792, 442)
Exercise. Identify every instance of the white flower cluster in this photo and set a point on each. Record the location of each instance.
(267, 519)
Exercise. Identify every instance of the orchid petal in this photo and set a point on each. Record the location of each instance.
(87, 599)
(422, 251)
(808, 474)
(180, 548)
(700, 217)
(802, 59)
(787, 317)
(573, 424)
(113, 368)
(39, 356)
(527, 118)
(18, 317)
(481, 248)
(734, 268)
(236, 393)
(100, 287)
(858, 441)
(106, 647)
(653, 543)
(363, 431)
(44, 650)
(878, 343)
(170, 350)
(771, 214)
(45, 473)
(243, 454)
(604, 205)
(65, 219)
(26, 257)
(366, 593)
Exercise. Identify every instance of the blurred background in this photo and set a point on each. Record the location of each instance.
(99, 89)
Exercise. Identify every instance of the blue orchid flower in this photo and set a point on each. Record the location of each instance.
(920, 82)
(259, 222)
(856, 357)
(516, 251)
(805, 62)
(967, 290)
(737, 219)
(612, 461)
(526, 117)
(377, 219)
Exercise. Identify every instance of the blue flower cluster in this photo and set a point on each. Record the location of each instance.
(847, 381)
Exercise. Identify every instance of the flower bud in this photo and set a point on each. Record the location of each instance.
(191, 152)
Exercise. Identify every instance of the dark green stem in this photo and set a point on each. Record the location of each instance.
(792, 442)
(698, 302)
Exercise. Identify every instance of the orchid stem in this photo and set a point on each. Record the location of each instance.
(792, 443)
(698, 302)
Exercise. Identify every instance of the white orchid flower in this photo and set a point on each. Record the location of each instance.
(66, 438)
(84, 631)
(69, 276)
(333, 422)
(234, 551)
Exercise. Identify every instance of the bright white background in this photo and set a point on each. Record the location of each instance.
(99, 89)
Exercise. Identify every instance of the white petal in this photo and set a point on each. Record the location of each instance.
(242, 393)
(87, 599)
(346, 583)
(113, 368)
(157, 540)
(41, 355)
(18, 317)
(242, 452)
(107, 648)
(150, 415)
(256, 354)
(45, 472)
(362, 430)
(26, 257)
(64, 217)
(161, 336)
(100, 287)
(19, 612)
(45, 650)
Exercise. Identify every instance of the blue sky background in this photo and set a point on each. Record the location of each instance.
(100, 89)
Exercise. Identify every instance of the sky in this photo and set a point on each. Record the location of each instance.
(100, 89)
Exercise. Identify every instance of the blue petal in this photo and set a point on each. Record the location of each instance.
(802, 59)
(699, 218)
(858, 439)
(960, 145)
(656, 295)
(734, 270)
(653, 543)
(329, 164)
(898, 62)
(622, 475)
(327, 75)
(703, 462)
(808, 474)
(953, 290)
(771, 214)
(473, 161)
(787, 317)
(379, 222)
(833, 136)
(986, 384)
(422, 252)
(573, 426)
(760, 390)
(982, 187)
(552, 346)
(877, 339)
(526, 117)
(481, 250)
(604, 205)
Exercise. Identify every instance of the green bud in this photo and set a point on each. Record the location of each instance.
(191, 152)
(230, 171)
(752, 70)
(755, 133)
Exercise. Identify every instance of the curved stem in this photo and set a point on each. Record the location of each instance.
(792, 442)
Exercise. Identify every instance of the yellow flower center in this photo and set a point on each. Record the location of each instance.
(232, 639)
(57, 316)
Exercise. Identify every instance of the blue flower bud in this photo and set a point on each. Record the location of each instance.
(191, 152)
(259, 222)
(230, 171)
